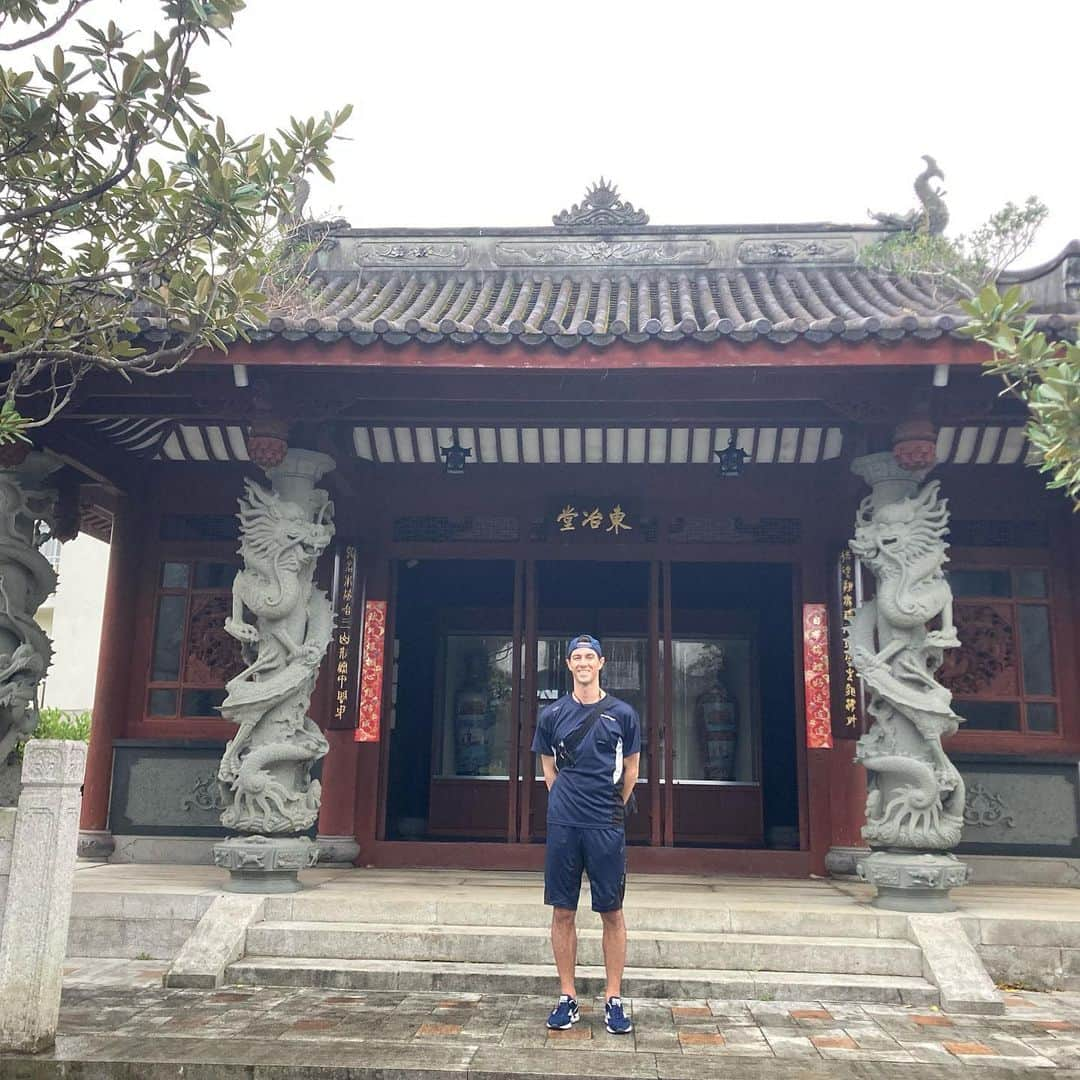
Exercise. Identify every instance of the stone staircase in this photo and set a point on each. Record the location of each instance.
(674, 952)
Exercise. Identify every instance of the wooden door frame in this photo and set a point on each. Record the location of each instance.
(658, 694)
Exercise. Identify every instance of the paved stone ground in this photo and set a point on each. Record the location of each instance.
(117, 1021)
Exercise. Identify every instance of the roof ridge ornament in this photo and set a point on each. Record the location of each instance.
(601, 209)
(933, 216)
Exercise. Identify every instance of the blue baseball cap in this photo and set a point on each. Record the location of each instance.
(584, 641)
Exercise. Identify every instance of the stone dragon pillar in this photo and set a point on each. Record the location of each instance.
(26, 580)
(284, 625)
(915, 804)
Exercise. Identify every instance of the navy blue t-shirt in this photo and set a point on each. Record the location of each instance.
(584, 794)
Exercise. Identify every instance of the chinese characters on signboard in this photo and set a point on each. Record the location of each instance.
(344, 633)
(848, 603)
(608, 518)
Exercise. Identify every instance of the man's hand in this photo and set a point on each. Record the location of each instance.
(631, 767)
(550, 772)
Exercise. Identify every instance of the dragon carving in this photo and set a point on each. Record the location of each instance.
(916, 795)
(933, 216)
(265, 772)
(26, 580)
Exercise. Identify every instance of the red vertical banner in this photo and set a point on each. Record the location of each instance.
(816, 675)
(371, 671)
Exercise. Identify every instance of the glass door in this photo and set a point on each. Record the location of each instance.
(570, 598)
(454, 714)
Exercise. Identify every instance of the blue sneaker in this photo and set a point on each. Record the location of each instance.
(565, 1014)
(615, 1020)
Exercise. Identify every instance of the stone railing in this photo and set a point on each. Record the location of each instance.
(7, 840)
(37, 869)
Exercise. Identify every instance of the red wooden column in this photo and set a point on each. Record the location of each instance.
(334, 707)
(337, 844)
(113, 685)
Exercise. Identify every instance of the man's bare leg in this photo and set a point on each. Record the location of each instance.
(614, 951)
(564, 946)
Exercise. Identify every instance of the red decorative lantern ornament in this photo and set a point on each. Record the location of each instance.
(268, 441)
(915, 444)
(14, 453)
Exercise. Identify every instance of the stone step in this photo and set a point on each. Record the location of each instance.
(530, 945)
(675, 983)
(371, 907)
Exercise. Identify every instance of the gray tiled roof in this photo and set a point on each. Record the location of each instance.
(667, 283)
(779, 304)
(598, 308)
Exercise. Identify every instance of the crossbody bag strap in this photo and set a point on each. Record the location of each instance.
(577, 736)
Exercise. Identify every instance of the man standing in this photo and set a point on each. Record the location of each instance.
(589, 743)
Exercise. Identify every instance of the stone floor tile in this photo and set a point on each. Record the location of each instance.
(438, 1030)
(785, 1044)
(580, 1033)
(834, 1042)
(810, 1014)
(896, 1055)
(701, 1038)
(773, 1016)
(1066, 1056)
(931, 1020)
(843, 1011)
(492, 1060)
(966, 1049)
(523, 1034)
(929, 1053)
(870, 1036)
(650, 1039)
(744, 1036)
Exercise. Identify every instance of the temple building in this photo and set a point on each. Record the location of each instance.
(638, 431)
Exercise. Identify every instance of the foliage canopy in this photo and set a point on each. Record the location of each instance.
(1045, 374)
(121, 196)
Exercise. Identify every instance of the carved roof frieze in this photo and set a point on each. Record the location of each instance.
(412, 253)
(603, 252)
(789, 250)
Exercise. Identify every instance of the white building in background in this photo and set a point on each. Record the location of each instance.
(72, 618)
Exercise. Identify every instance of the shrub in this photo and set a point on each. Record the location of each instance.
(56, 724)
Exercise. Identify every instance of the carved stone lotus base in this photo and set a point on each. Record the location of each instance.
(265, 864)
(913, 880)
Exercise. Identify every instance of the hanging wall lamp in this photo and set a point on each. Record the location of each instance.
(454, 457)
(731, 458)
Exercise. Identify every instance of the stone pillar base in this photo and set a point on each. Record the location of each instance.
(337, 850)
(843, 861)
(913, 880)
(265, 864)
(96, 844)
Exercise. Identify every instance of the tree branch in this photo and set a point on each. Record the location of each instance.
(48, 31)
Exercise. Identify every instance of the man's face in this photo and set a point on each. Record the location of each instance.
(584, 665)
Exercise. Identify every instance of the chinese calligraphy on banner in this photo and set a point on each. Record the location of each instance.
(848, 602)
(371, 671)
(816, 675)
(343, 639)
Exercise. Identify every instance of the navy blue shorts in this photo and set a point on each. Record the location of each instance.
(601, 853)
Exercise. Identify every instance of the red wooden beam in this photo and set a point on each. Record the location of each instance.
(652, 354)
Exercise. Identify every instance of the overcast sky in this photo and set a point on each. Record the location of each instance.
(500, 113)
